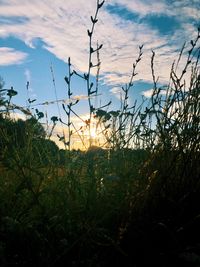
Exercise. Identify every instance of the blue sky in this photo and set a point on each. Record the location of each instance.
(37, 34)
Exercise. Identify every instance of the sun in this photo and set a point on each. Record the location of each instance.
(93, 133)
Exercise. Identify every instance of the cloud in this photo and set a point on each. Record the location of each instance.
(27, 74)
(147, 93)
(185, 8)
(143, 7)
(10, 56)
(62, 27)
(17, 116)
(117, 91)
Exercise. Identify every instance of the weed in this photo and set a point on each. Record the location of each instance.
(131, 201)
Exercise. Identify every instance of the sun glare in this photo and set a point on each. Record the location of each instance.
(93, 133)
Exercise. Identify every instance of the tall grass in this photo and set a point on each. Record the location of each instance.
(131, 202)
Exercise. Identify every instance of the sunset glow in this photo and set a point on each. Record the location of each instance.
(35, 47)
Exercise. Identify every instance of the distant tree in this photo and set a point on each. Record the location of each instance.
(19, 135)
(34, 127)
(45, 151)
(27, 138)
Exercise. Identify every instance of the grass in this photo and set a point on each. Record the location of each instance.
(134, 202)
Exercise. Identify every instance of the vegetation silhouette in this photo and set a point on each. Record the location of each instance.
(132, 202)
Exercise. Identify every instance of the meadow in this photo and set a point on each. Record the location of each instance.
(131, 201)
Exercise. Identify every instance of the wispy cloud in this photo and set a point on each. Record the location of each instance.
(27, 74)
(62, 25)
(10, 56)
(143, 7)
(149, 93)
(117, 92)
(185, 8)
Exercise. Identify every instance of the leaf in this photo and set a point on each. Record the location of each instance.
(92, 108)
(94, 20)
(86, 76)
(91, 85)
(61, 138)
(100, 46)
(190, 51)
(40, 115)
(92, 92)
(114, 113)
(142, 116)
(107, 117)
(27, 85)
(138, 131)
(11, 92)
(54, 119)
(100, 4)
(107, 126)
(73, 104)
(66, 79)
(101, 113)
(31, 101)
(87, 122)
(89, 33)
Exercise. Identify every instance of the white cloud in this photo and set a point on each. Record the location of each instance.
(147, 93)
(143, 7)
(27, 74)
(10, 56)
(17, 116)
(62, 26)
(181, 9)
(117, 91)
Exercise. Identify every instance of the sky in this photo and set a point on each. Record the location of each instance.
(40, 35)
